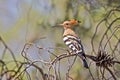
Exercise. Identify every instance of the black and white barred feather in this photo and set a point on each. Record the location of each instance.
(74, 43)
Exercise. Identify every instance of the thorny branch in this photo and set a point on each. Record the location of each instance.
(7, 48)
(106, 43)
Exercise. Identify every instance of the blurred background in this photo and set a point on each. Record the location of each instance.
(32, 21)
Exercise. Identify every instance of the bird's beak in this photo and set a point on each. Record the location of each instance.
(60, 24)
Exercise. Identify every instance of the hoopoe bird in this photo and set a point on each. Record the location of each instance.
(72, 40)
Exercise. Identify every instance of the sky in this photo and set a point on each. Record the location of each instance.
(10, 13)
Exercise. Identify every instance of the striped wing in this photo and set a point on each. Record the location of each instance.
(73, 43)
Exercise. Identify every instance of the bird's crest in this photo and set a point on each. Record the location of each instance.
(74, 22)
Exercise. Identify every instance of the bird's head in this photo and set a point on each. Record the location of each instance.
(70, 23)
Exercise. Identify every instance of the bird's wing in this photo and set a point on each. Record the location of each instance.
(74, 43)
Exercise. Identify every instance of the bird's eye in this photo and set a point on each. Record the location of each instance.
(67, 24)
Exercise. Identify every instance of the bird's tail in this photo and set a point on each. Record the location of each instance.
(85, 64)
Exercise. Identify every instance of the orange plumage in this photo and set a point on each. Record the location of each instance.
(74, 22)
